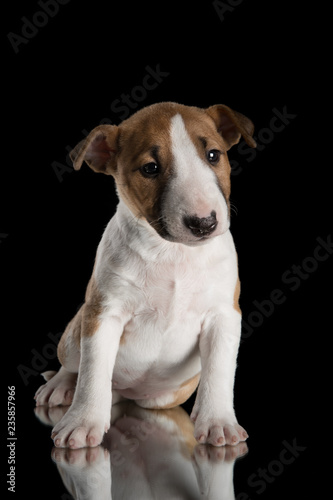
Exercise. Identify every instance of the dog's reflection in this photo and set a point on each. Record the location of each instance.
(146, 454)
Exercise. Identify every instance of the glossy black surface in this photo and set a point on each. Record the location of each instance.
(152, 454)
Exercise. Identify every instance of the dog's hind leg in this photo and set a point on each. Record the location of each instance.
(60, 386)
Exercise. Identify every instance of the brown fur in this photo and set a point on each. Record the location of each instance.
(201, 126)
(236, 297)
(91, 309)
(144, 137)
(142, 194)
(183, 393)
(232, 125)
(84, 323)
(72, 331)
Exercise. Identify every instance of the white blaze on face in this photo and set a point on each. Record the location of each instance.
(193, 189)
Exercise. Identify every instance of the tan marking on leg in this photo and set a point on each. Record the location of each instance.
(61, 349)
(184, 392)
(73, 329)
(122, 339)
(91, 309)
(236, 297)
(85, 322)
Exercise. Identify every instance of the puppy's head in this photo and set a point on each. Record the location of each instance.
(171, 167)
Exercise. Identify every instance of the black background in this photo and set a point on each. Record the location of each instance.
(261, 57)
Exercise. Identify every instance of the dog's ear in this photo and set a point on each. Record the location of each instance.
(232, 125)
(98, 150)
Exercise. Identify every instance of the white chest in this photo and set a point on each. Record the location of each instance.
(166, 292)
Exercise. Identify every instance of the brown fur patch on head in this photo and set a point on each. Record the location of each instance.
(217, 128)
(145, 138)
(98, 150)
(148, 134)
(205, 136)
(232, 125)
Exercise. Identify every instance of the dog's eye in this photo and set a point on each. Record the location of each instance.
(213, 156)
(150, 169)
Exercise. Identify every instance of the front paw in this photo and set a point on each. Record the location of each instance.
(218, 431)
(80, 428)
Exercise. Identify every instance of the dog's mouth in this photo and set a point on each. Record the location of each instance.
(162, 230)
(159, 226)
(190, 241)
(183, 235)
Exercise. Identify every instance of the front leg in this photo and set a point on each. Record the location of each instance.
(89, 415)
(213, 412)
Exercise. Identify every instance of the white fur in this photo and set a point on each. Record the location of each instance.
(193, 190)
(170, 285)
(168, 312)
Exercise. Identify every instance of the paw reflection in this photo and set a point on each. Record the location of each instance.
(148, 454)
(214, 469)
(204, 452)
(50, 415)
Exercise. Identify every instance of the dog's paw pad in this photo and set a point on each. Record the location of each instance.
(76, 434)
(219, 433)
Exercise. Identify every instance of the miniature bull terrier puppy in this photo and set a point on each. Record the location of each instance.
(161, 314)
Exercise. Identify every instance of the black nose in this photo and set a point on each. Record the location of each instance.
(201, 227)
